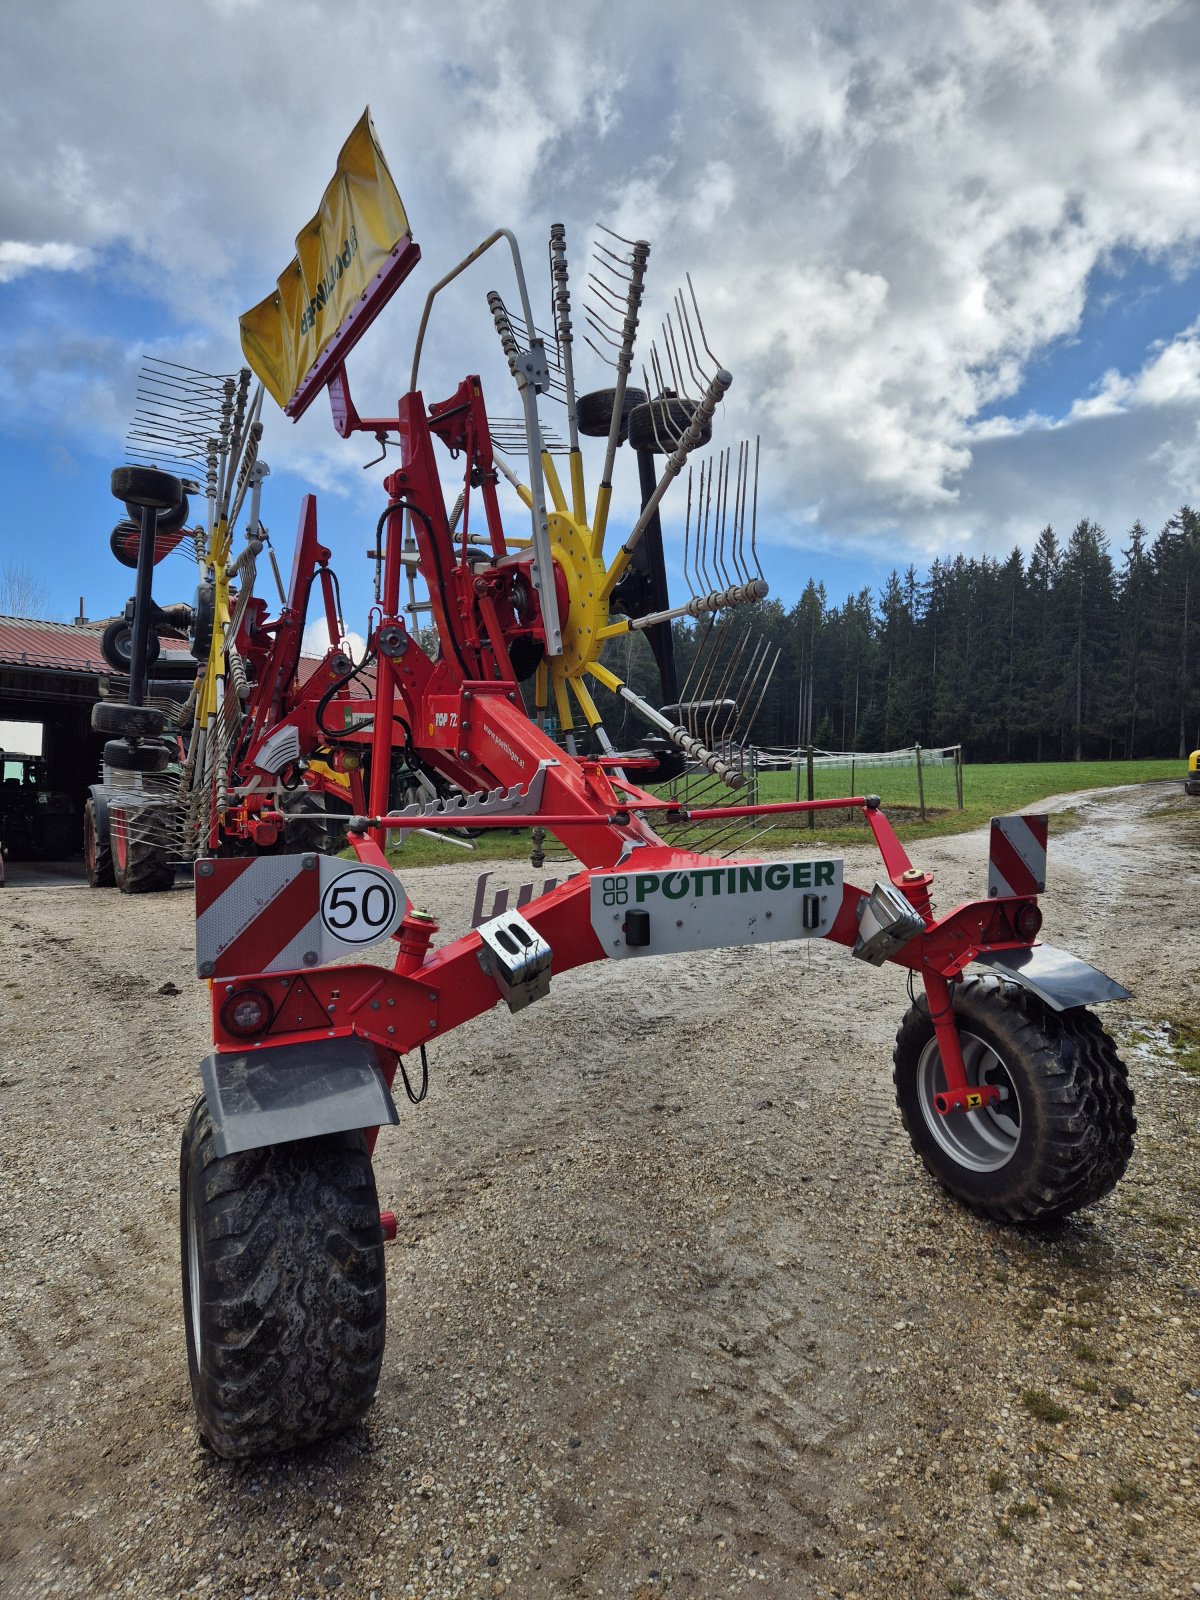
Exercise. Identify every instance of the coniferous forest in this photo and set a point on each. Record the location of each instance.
(1075, 651)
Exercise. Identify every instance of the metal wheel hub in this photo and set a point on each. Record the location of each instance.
(981, 1141)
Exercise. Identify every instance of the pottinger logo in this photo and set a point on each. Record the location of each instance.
(717, 881)
(333, 272)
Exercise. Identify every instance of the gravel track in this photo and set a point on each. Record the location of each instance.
(673, 1310)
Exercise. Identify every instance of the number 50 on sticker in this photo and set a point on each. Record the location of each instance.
(360, 905)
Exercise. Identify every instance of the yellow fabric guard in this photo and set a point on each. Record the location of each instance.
(360, 221)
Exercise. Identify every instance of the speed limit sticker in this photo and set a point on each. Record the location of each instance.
(359, 906)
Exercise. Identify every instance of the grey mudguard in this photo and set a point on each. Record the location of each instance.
(1060, 979)
(294, 1091)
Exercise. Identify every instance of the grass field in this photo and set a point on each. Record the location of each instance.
(988, 791)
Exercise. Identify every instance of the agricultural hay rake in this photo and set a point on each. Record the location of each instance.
(1010, 1090)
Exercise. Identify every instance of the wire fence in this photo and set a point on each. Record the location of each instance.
(925, 780)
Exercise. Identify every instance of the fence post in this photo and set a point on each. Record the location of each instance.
(850, 814)
(958, 774)
(811, 814)
(920, 783)
(796, 769)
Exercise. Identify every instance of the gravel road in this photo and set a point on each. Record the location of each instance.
(673, 1310)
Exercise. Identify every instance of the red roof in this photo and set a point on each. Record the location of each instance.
(61, 646)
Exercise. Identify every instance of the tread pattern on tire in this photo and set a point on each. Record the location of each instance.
(147, 868)
(293, 1296)
(1075, 1143)
(97, 853)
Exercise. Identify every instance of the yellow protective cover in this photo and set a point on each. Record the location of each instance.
(358, 224)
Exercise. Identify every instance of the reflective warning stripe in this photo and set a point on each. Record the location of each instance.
(257, 915)
(1017, 855)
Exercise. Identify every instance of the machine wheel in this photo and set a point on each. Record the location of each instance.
(125, 757)
(140, 854)
(127, 722)
(659, 425)
(169, 521)
(146, 486)
(97, 851)
(594, 411)
(284, 1297)
(116, 645)
(1062, 1137)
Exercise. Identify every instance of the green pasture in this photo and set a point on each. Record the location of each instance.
(988, 791)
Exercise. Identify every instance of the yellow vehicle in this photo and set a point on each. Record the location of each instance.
(1191, 784)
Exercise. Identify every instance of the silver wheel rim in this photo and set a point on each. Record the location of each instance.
(981, 1141)
(193, 1266)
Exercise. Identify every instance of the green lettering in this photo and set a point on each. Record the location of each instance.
(647, 883)
(778, 876)
(749, 878)
(675, 894)
(713, 874)
(802, 875)
(823, 873)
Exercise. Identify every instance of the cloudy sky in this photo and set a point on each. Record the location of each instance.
(948, 250)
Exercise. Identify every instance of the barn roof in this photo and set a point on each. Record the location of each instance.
(60, 646)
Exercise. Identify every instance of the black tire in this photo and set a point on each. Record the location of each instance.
(594, 411)
(306, 829)
(659, 425)
(116, 645)
(146, 486)
(97, 850)
(204, 608)
(125, 757)
(140, 839)
(284, 1297)
(1061, 1139)
(169, 521)
(127, 722)
(123, 541)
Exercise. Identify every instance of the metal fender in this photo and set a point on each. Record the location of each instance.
(293, 1091)
(1055, 976)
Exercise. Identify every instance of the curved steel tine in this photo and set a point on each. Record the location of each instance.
(687, 533)
(740, 511)
(719, 548)
(758, 571)
(699, 320)
(678, 377)
(695, 366)
(704, 574)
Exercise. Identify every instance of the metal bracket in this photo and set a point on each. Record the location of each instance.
(514, 953)
(886, 922)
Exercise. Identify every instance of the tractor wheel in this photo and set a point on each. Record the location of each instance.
(305, 830)
(120, 721)
(284, 1298)
(97, 852)
(1062, 1136)
(170, 520)
(593, 411)
(140, 853)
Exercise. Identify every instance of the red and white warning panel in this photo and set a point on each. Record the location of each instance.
(1017, 855)
(281, 913)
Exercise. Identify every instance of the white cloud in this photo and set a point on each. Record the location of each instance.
(17, 257)
(888, 213)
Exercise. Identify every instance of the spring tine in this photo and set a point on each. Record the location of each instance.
(739, 513)
(719, 519)
(677, 370)
(758, 571)
(687, 532)
(695, 365)
(561, 301)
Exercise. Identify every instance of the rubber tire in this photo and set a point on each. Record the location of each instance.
(204, 611)
(302, 833)
(593, 411)
(672, 416)
(116, 645)
(168, 521)
(1076, 1106)
(146, 486)
(97, 851)
(126, 537)
(122, 756)
(285, 1338)
(127, 722)
(147, 867)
